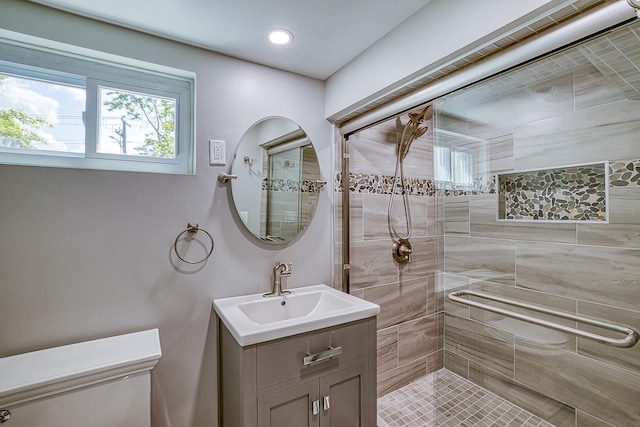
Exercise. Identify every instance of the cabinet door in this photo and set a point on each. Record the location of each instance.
(344, 398)
(291, 408)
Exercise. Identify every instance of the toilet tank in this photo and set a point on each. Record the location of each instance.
(100, 383)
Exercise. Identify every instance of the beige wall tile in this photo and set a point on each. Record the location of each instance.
(433, 297)
(522, 329)
(592, 89)
(435, 361)
(456, 211)
(594, 268)
(451, 283)
(597, 274)
(550, 410)
(479, 343)
(356, 217)
(624, 205)
(393, 379)
(483, 211)
(585, 420)
(337, 217)
(620, 235)
(628, 358)
(457, 364)
(400, 301)
(419, 338)
(375, 209)
(372, 263)
(479, 258)
(387, 345)
(496, 152)
(337, 265)
(584, 383)
(552, 142)
(623, 229)
(371, 149)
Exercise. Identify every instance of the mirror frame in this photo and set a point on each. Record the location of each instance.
(260, 187)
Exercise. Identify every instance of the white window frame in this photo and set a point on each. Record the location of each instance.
(446, 154)
(75, 66)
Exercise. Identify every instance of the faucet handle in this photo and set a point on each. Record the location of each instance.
(287, 268)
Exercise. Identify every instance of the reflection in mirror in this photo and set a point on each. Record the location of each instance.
(278, 180)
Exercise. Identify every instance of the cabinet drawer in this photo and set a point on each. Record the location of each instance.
(283, 360)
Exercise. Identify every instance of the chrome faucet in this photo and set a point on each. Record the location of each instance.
(279, 271)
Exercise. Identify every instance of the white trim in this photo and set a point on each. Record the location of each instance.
(71, 51)
(91, 70)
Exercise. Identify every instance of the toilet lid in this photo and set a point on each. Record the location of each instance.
(33, 375)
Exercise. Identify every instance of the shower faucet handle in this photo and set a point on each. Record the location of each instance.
(402, 251)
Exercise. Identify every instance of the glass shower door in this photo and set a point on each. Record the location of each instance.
(283, 198)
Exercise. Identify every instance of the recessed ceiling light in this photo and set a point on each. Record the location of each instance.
(280, 36)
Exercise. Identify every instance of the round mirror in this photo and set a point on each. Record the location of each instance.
(278, 180)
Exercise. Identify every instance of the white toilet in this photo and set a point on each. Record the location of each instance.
(101, 383)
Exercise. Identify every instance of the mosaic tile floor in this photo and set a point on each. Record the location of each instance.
(459, 403)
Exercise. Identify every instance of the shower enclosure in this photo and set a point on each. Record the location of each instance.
(293, 176)
(526, 187)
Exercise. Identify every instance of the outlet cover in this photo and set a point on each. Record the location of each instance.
(216, 152)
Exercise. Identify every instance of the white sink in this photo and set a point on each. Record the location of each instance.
(253, 319)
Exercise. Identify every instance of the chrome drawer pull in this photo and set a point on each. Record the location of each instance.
(319, 357)
(326, 405)
(315, 407)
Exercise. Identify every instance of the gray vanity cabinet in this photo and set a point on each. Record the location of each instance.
(289, 407)
(268, 384)
(335, 400)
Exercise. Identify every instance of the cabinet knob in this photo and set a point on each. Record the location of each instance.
(315, 407)
(5, 415)
(326, 404)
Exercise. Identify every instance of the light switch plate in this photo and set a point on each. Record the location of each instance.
(217, 152)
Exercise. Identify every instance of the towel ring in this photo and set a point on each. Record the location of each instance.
(192, 229)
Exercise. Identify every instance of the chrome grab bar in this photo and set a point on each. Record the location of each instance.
(632, 336)
(319, 357)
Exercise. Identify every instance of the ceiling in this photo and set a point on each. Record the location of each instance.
(327, 33)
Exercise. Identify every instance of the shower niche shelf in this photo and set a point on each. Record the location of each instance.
(577, 193)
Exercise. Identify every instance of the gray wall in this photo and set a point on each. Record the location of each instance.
(88, 254)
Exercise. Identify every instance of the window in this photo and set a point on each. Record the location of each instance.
(453, 168)
(69, 107)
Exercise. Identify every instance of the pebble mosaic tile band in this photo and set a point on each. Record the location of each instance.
(291, 185)
(576, 194)
(382, 184)
(624, 173)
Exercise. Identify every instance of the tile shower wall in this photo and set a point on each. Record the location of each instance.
(411, 319)
(585, 268)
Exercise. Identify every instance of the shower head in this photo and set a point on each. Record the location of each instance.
(418, 118)
(414, 128)
(635, 4)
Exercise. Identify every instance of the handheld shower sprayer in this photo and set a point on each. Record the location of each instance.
(412, 130)
(635, 4)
